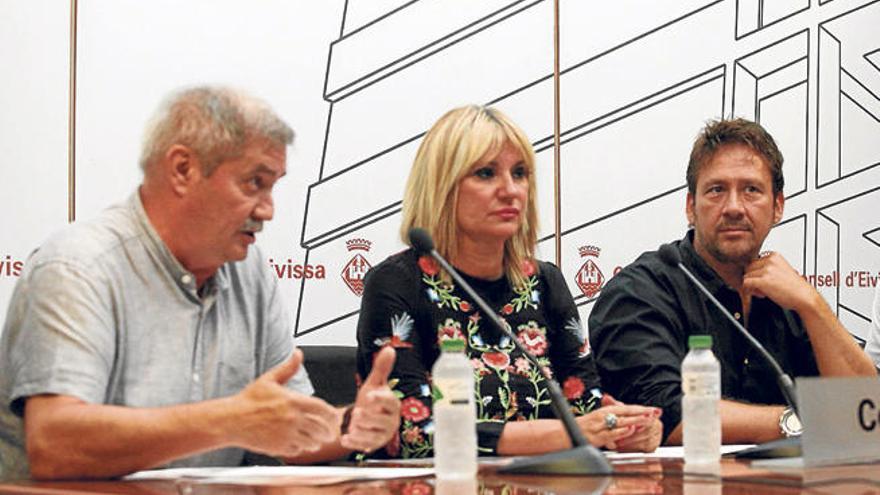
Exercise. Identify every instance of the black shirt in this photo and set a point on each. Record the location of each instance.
(639, 328)
(407, 306)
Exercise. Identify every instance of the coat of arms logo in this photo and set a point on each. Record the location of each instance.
(589, 278)
(354, 271)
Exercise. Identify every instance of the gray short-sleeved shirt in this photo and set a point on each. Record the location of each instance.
(103, 312)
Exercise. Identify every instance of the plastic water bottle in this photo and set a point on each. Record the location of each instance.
(455, 414)
(701, 384)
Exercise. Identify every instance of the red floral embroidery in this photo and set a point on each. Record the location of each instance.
(450, 330)
(534, 339)
(428, 266)
(585, 348)
(573, 388)
(497, 360)
(507, 309)
(479, 367)
(412, 435)
(528, 268)
(522, 366)
(465, 306)
(397, 343)
(413, 409)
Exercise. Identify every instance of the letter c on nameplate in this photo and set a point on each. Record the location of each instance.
(867, 425)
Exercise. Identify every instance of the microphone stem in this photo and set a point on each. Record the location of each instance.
(558, 402)
(785, 383)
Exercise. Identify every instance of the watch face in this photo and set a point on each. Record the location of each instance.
(791, 423)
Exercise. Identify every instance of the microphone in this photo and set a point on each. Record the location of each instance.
(785, 447)
(669, 255)
(421, 241)
(582, 458)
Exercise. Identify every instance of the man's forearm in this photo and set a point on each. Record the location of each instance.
(837, 354)
(742, 423)
(67, 438)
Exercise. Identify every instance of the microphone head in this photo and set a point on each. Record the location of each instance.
(421, 240)
(669, 254)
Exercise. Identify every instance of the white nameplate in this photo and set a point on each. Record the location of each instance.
(841, 418)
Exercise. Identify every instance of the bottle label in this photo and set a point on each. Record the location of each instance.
(700, 385)
(451, 392)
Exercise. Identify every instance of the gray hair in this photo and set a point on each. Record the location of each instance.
(214, 122)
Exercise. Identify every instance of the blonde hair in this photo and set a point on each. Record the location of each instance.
(462, 137)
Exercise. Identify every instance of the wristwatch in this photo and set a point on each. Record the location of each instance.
(790, 424)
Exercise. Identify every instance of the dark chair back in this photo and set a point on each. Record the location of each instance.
(332, 370)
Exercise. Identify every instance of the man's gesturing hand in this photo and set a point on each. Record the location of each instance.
(376, 413)
(277, 421)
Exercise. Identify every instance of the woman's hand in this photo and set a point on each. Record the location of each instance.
(646, 438)
(635, 427)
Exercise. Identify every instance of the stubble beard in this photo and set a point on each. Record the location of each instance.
(731, 255)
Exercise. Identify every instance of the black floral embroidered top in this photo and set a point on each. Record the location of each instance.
(406, 305)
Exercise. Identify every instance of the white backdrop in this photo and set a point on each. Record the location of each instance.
(361, 80)
(33, 130)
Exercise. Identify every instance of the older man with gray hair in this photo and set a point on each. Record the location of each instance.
(154, 335)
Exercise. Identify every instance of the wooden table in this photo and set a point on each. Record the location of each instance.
(637, 476)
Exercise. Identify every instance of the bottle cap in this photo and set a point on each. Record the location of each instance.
(700, 342)
(452, 345)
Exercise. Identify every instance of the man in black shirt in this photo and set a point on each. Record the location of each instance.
(640, 324)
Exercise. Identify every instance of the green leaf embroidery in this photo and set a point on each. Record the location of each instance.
(503, 398)
(443, 292)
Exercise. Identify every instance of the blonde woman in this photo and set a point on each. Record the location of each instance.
(472, 188)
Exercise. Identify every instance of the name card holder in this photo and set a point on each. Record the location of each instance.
(841, 418)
